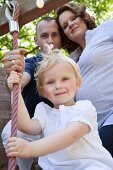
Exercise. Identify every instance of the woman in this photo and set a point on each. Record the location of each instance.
(95, 60)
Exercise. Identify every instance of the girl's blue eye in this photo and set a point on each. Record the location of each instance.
(50, 82)
(65, 78)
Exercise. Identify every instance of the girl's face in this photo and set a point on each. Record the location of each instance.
(73, 27)
(59, 84)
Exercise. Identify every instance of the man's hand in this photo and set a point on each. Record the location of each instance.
(14, 61)
(17, 147)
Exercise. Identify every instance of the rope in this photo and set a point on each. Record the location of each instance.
(13, 7)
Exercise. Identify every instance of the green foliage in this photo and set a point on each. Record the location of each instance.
(101, 9)
(2, 2)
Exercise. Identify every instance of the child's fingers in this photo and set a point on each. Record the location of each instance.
(14, 78)
(12, 139)
(12, 147)
(12, 154)
(20, 75)
(15, 73)
(18, 147)
(11, 142)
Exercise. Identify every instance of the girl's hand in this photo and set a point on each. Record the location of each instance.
(17, 147)
(13, 78)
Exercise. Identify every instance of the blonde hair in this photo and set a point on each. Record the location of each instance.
(50, 58)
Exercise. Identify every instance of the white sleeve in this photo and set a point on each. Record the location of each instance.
(41, 114)
(86, 114)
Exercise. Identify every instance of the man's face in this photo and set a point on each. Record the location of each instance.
(47, 33)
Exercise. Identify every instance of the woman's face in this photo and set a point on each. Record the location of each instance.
(73, 27)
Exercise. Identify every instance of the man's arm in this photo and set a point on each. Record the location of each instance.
(26, 79)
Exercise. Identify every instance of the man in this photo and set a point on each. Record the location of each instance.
(46, 33)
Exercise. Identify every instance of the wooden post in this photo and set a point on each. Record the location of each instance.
(28, 12)
(5, 113)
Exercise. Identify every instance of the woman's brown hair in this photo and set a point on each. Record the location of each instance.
(79, 10)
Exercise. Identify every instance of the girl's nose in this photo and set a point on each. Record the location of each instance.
(58, 85)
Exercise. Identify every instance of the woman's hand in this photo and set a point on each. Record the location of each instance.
(13, 78)
(14, 61)
(17, 147)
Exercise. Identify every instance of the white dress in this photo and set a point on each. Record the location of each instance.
(85, 154)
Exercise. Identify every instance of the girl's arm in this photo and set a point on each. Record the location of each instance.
(59, 140)
(53, 143)
(25, 124)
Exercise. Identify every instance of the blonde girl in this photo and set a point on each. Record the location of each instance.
(70, 139)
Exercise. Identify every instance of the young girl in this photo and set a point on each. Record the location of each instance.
(70, 139)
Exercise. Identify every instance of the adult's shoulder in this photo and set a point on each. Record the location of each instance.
(30, 65)
(107, 23)
(30, 59)
(34, 59)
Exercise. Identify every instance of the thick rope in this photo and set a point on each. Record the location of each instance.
(14, 116)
